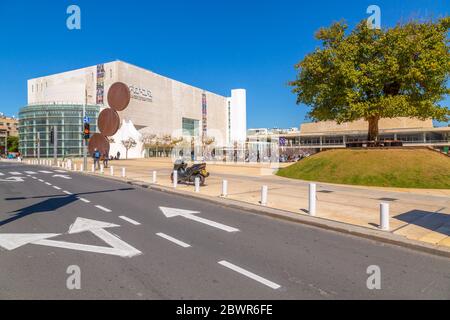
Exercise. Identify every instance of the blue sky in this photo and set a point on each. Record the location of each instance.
(217, 45)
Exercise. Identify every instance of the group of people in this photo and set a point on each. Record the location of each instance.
(104, 157)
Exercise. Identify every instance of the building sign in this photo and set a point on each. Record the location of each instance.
(141, 94)
(204, 118)
(100, 83)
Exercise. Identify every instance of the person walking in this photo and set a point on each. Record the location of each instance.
(96, 157)
(105, 160)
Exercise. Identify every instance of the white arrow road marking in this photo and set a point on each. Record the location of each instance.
(63, 176)
(14, 241)
(118, 246)
(12, 179)
(14, 173)
(47, 172)
(172, 212)
(250, 275)
(130, 220)
(103, 208)
(171, 239)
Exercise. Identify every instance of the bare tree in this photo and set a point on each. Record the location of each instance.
(128, 144)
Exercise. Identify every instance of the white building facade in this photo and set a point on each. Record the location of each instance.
(159, 105)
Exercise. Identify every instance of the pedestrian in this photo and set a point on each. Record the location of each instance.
(96, 157)
(118, 155)
(105, 160)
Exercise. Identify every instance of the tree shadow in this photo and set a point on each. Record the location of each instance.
(50, 205)
(434, 221)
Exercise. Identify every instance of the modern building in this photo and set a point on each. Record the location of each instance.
(8, 128)
(39, 119)
(159, 106)
(329, 135)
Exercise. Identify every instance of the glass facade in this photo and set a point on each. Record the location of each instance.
(190, 127)
(38, 120)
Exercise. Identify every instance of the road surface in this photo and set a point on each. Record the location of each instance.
(133, 243)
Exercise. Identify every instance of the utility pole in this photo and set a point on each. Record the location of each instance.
(55, 145)
(84, 140)
(39, 147)
(6, 144)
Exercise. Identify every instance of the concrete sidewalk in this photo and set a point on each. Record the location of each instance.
(422, 215)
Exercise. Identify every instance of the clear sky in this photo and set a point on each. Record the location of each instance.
(217, 45)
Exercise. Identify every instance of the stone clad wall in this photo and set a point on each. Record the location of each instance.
(361, 125)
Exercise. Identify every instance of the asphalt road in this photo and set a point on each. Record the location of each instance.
(192, 256)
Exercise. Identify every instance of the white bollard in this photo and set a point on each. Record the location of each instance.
(124, 173)
(102, 169)
(312, 199)
(197, 184)
(224, 188)
(155, 177)
(264, 191)
(384, 216)
(74, 167)
(111, 170)
(59, 164)
(81, 167)
(175, 179)
(93, 168)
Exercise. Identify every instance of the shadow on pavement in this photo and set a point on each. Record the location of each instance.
(49, 205)
(434, 221)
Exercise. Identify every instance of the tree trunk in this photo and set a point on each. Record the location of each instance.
(373, 129)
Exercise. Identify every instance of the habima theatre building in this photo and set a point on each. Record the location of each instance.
(159, 107)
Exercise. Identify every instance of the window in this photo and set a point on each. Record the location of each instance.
(190, 127)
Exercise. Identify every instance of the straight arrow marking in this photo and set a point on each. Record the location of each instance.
(172, 212)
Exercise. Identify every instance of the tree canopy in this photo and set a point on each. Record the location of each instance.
(377, 73)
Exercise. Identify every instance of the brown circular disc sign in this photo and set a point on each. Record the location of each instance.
(119, 96)
(100, 142)
(108, 122)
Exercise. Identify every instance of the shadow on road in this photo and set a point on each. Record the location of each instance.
(50, 205)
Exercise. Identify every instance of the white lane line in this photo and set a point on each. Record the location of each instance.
(1, 174)
(171, 239)
(43, 171)
(30, 172)
(84, 200)
(48, 183)
(103, 208)
(34, 178)
(130, 220)
(61, 171)
(250, 275)
(40, 180)
(67, 192)
(57, 188)
(14, 173)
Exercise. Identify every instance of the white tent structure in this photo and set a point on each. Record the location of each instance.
(127, 131)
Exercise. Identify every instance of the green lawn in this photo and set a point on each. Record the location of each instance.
(402, 168)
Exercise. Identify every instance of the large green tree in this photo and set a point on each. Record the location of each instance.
(372, 74)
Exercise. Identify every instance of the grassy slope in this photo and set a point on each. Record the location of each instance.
(401, 168)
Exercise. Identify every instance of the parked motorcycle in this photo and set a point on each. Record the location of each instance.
(188, 174)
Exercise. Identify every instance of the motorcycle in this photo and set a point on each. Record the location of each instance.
(186, 174)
